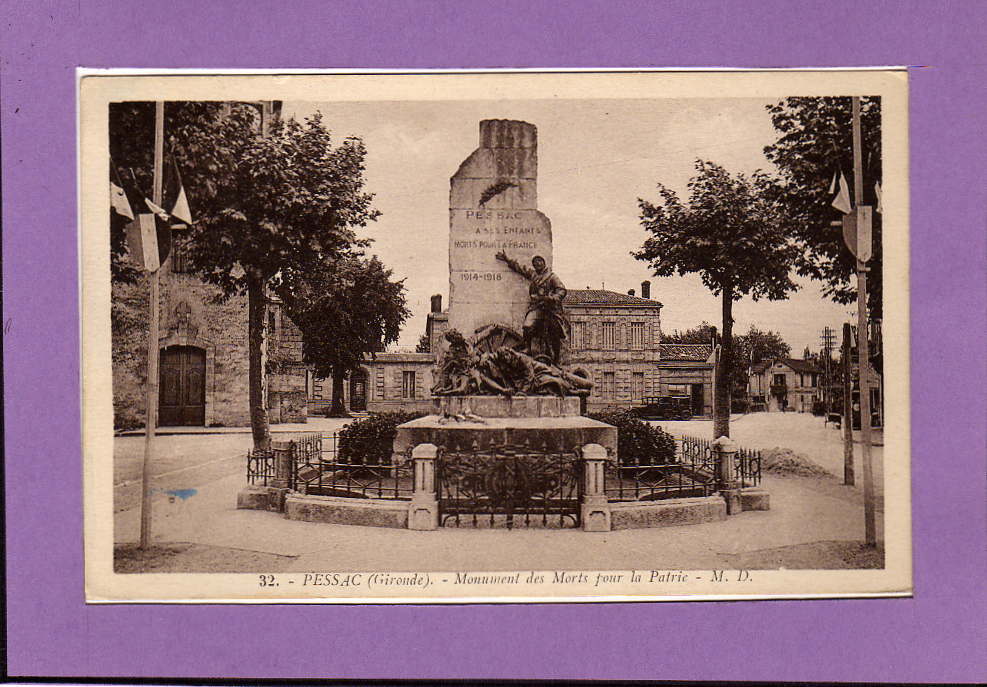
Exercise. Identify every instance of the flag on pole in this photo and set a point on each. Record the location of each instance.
(120, 209)
(149, 235)
(173, 197)
(842, 200)
(142, 242)
(880, 201)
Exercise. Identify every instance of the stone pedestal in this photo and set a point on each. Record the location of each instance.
(595, 509)
(538, 421)
(543, 423)
(423, 513)
(726, 448)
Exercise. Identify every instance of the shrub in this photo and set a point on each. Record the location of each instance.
(369, 440)
(637, 441)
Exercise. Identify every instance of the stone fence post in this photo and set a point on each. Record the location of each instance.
(282, 451)
(725, 449)
(423, 513)
(594, 509)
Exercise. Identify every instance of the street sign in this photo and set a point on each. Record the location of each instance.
(857, 232)
(864, 242)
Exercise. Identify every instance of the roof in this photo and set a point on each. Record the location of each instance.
(796, 364)
(693, 352)
(605, 297)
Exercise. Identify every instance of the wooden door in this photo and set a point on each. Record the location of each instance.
(358, 391)
(183, 387)
(698, 402)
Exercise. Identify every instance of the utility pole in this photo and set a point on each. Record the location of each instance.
(151, 405)
(846, 367)
(863, 252)
(827, 338)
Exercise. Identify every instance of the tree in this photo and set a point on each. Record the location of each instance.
(732, 234)
(204, 137)
(263, 200)
(701, 334)
(815, 142)
(424, 344)
(345, 308)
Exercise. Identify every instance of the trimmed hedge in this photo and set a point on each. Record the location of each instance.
(369, 440)
(636, 439)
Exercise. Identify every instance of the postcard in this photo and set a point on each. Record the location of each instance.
(495, 336)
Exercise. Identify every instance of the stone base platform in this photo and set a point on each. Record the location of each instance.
(555, 433)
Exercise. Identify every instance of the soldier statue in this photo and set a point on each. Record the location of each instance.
(545, 323)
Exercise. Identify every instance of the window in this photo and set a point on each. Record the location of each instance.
(637, 386)
(578, 335)
(609, 385)
(408, 384)
(637, 335)
(779, 380)
(678, 389)
(608, 336)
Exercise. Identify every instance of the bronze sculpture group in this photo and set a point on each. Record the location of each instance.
(496, 361)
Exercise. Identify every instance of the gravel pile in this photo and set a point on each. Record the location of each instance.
(786, 462)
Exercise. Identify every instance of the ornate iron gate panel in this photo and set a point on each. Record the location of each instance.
(510, 486)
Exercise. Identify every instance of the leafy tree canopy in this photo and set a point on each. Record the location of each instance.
(345, 309)
(815, 141)
(756, 345)
(700, 334)
(731, 233)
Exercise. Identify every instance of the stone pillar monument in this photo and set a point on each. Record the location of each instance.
(493, 206)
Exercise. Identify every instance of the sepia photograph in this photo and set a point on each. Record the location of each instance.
(495, 336)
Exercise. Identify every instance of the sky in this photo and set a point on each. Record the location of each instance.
(595, 159)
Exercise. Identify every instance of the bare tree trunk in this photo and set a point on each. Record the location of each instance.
(724, 372)
(338, 408)
(256, 325)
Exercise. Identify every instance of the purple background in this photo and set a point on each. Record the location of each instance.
(937, 636)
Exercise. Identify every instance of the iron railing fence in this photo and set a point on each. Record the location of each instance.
(260, 467)
(509, 486)
(506, 485)
(691, 472)
(747, 467)
(325, 474)
(314, 468)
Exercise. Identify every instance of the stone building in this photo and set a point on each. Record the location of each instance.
(203, 356)
(784, 384)
(615, 341)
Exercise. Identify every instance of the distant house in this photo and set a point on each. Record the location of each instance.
(784, 384)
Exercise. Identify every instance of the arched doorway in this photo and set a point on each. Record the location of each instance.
(358, 390)
(182, 395)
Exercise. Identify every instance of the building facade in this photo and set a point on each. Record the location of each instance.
(784, 384)
(203, 352)
(615, 341)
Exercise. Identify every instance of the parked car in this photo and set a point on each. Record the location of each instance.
(665, 408)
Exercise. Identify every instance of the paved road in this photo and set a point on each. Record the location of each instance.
(186, 461)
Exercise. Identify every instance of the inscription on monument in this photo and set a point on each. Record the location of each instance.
(493, 207)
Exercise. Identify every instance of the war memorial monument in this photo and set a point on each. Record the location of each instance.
(506, 443)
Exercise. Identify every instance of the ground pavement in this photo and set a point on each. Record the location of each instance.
(802, 511)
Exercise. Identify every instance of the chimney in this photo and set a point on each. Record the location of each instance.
(630, 292)
(437, 303)
(646, 289)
